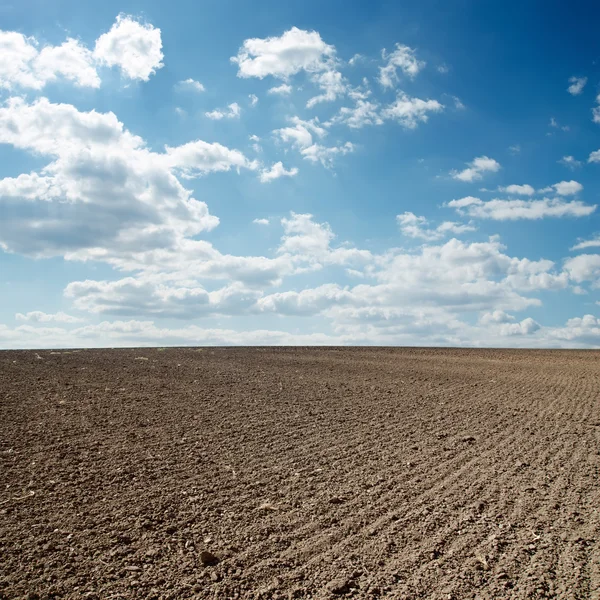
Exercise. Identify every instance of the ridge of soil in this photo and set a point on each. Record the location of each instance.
(299, 473)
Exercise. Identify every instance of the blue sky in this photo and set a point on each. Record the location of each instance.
(299, 173)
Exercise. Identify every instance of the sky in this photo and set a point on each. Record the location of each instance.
(316, 173)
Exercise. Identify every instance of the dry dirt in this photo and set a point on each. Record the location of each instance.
(299, 473)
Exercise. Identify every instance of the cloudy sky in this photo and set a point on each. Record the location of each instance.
(233, 172)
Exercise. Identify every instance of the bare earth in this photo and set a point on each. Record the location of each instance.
(299, 473)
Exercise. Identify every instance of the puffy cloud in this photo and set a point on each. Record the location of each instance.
(564, 188)
(596, 111)
(363, 113)
(191, 85)
(585, 267)
(525, 327)
(594, 157)
(521, 190)
(414, 226)
(134, 47)
(301, 135)
(512, 210)
(578, 332)
(577, 85)
(403, 58)
(495, 317)
(261, 221)
(37, 316)
(326, 155)
(294, 51)
(409, 112)
(23, 65)
(233, 111)
(103, 192)
(277, 171)
(584, 244)
(282, 90)
(570, 162)
(332, 83)
(130, 296)
(476, 168)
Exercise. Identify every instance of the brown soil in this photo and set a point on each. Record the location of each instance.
(299, 473)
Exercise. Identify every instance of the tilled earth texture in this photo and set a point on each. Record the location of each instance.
(299, 473)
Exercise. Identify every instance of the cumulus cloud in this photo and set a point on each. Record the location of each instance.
(282, 90)
(585, 267)
(564, 188)
(415, 226)
(277, 171)
(261, 221)
(402, 58)
(594, 157)
(294, 51)
(577, 85)
(570, 162)
(596, 110)
(512, 210)
(525, 327)
(363, 113)
(134, 47)
(409, 112)
(37, 316)
(24, 65)
(232, 111)
(102, 191)
(521, 190)
(476, 169)
(191, 85)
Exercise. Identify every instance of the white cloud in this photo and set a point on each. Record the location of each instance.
(282, 90)
(356, 59)
(403, 58)
(37, 316)
(102, 193)
(24, 65)
(253, 99)
(301, 136)
(584, 244)
(277, 171)
(326, 155)
(585, 267)
(512, 210)
(233, 111)
(476, 168)
(516, 149)
(294, 51)
(520, 190)
(261, 221)
(525, 327)
(570, 162)
(596, 111)
(191, 85)
(563, 188)
(554, 123)
(363, 113)
(132, 46)
(594, 157)
(409, 112)
(577, 85)
(495, 317)
(414, 226)
(332, 83)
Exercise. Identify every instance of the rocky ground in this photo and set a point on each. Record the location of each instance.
(299, 473)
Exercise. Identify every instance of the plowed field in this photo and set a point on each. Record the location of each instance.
(299, 473)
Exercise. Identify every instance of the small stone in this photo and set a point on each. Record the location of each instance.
(336, 500)
(338, 586)
(214, 576)
(208, 558)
